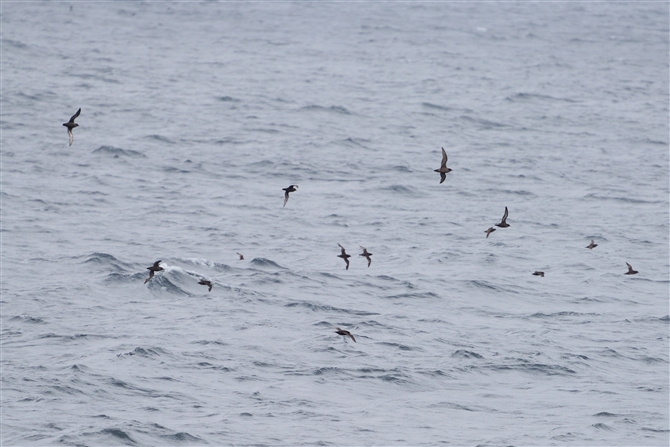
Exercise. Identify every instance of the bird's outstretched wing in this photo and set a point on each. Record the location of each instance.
(75, 116)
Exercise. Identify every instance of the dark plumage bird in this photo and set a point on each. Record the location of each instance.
(443, 168)
(71, 125)
(291, 188)
(539, 274)
(241, 256)
(630, 270)
(153, 269)
(344, 333)
(592, 245)
(366, 254)
(204, 282)
(344, 256)
(503, 223)
(489, 231)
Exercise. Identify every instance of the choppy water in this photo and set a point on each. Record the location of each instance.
(196, 115)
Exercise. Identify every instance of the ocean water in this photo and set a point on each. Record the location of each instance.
(196, 115)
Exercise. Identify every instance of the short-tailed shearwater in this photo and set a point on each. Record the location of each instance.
(204, 282)
(539, 274)
(344, 256)
(489, 231)
(503, 223)
(630, 270)
(71, 125)
(366, 254)
(443, 168)
(154, 268)
(344, 333)
(241, 256)
(592, 245)
(291, 188)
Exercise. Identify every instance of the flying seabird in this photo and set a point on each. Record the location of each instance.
(204, 282)
(539, 274)
(366, 254)
(344, 256)
(344, 333)
(630, 270)
(71, 125)
(291, 188)
(241, 256)
(592, 245)
(154, 268)
(489, 231)
(443, 168)
(503, 223)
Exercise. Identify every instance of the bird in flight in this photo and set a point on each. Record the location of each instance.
(344, 333)
(291, 188)
(344, 256)
(204, 282)
(366, 254)
(443, 167)
(503, 223)
(71, 125)
(592, 245)
(630, 270)
(153, 269)
(489, 231)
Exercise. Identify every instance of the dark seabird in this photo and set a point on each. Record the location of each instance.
(592, 245)
(366, 254)
(503, 223)
(344, 256)
(489, 231)
(443, 168)
(204, 282)
(153, 269)
(291, 188)
(241, 256)
(630, 270)
(71, 125)
(344, 333)
(539, 274)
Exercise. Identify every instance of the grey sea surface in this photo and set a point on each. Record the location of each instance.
(196, 115)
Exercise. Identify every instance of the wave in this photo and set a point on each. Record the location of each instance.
(332, 109)
(15, 44)
(145, 352)
(401, 346)
(182, 437)
(28, 319)
(266, 263)
(116, 152)
(407, 191)
(536, 96)
(622, 199)
(117, 436)
(121, 278)
(160, 138)
(327, 308)
(531, 368)
(483, 123)
(354, 142)
(562, 314)
(198, 262)
(461, 353)
(430, 295)
(107, 260)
